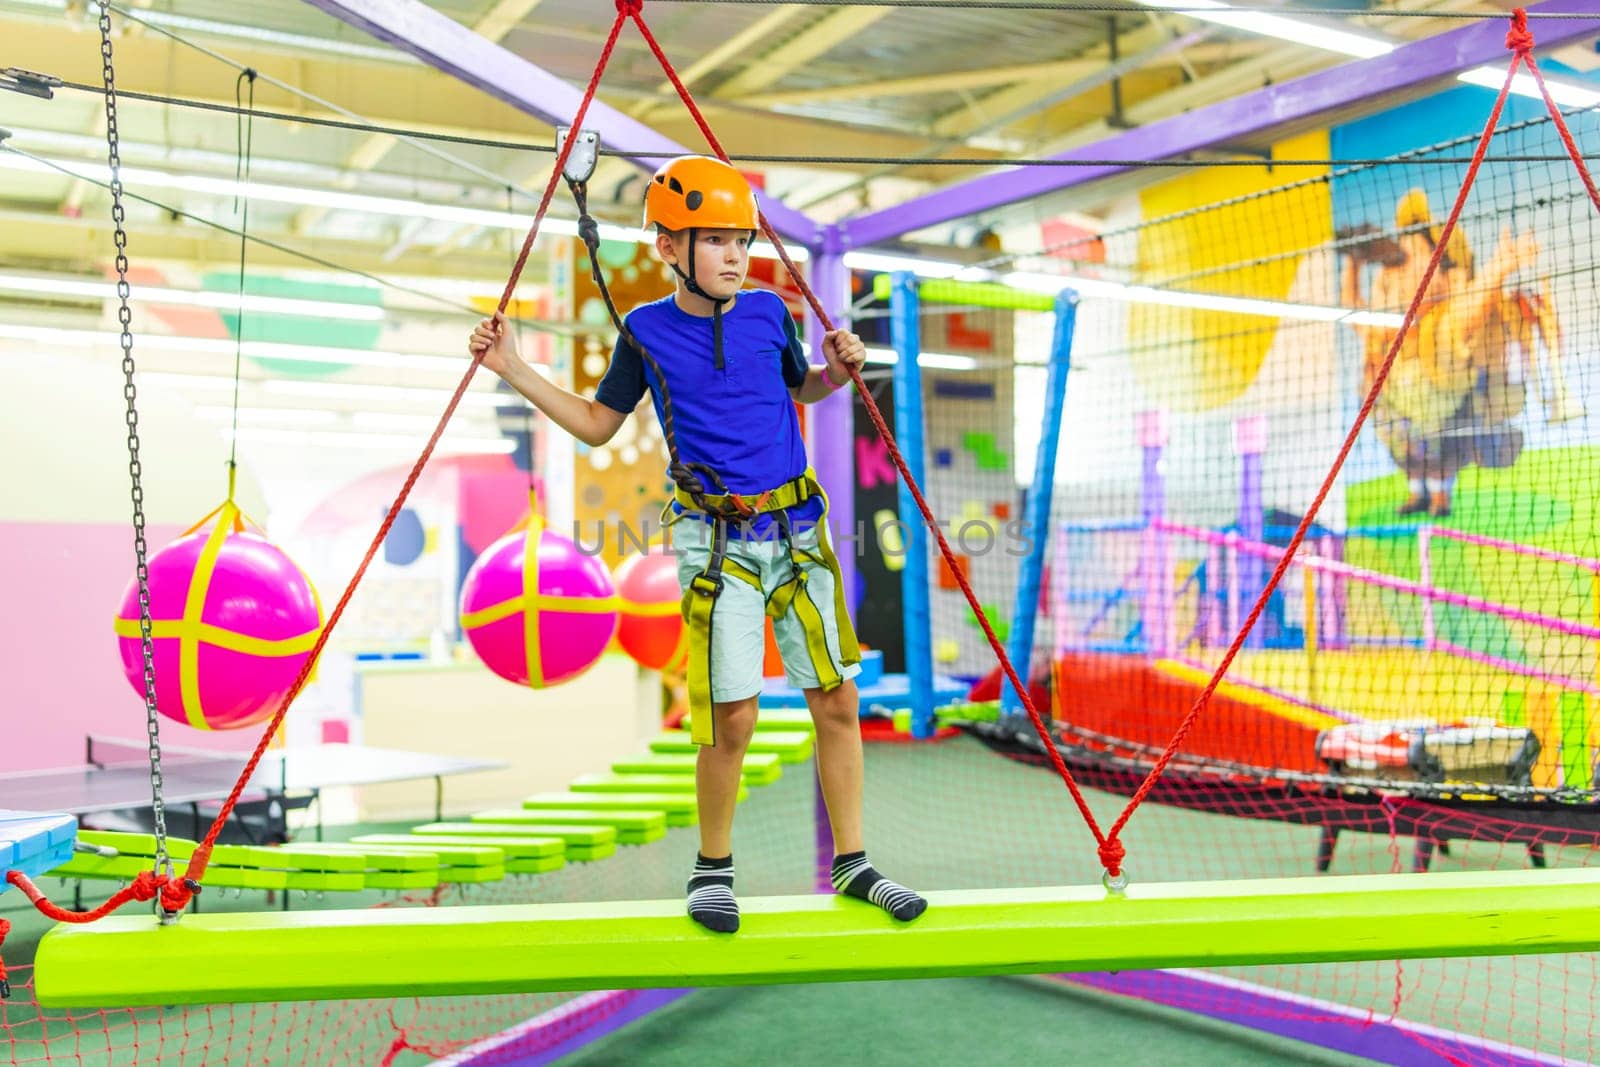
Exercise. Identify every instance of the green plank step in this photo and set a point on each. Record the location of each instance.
(573, 836)
(447, 854)
(679, 809)
(388, 868)
(787, 746)
(515, 846)
(518, 840)
(590, 855)
(761, 768)
(629, 827)
(127, 868)
(642, 783)
(231, 866)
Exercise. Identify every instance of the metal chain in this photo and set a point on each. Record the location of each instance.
(163, 863)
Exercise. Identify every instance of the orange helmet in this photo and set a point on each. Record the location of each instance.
(699, 192)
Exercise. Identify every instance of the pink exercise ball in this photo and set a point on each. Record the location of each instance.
(545, 631)
(231, 639)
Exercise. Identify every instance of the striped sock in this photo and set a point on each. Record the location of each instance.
(711, 902)
(854, 876)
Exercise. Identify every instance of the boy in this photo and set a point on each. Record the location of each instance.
(733, 366)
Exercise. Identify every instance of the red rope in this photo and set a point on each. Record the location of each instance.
(1108, 849)
(1520, 41)
(147, 886)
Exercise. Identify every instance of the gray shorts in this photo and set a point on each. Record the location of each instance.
(738, 622)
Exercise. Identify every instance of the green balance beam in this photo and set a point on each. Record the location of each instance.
(131, 960)
(762, 768)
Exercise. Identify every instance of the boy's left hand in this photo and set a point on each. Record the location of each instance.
(843, 350)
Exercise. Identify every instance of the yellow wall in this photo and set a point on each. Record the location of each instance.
(1188, 359)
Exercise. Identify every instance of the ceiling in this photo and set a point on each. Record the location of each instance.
(789, 79)
(775, 79)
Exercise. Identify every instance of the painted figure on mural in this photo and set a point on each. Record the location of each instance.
(1459, 381)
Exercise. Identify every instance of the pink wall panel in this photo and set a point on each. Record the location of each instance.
(60, 584)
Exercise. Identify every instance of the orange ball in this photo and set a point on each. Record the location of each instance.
(652, 631)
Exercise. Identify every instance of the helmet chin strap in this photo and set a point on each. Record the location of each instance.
(717, 302)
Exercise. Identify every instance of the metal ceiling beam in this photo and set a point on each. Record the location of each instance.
(1054, 72)
(1409, 68)
(445, 44)
(819, 37)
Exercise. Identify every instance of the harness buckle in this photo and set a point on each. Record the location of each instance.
(706, 586)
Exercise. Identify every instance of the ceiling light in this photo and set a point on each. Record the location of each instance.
(1298, 31)
(334, 439)
(1563, 93)
(930, 360)
(391, 393)
(272, 305)
(887, 264)
(223, 346)
(294, 416)
(322, 390)
(295, 41)
(1146, 294)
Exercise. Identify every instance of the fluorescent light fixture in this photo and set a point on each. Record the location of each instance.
(1145, 294)
(386, 393)
(1564, 93)
(223, 346)
(888, 264)
(297, 42)
(285, 416)
(333, 439)
(336, 200)
(930, 360)
(333, 391)
(1297, 31)
(270, 305)
(390, 420)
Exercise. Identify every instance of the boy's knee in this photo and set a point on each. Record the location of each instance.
(736, 724)
(838, 707)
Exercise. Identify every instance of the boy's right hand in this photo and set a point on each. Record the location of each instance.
(497, 342)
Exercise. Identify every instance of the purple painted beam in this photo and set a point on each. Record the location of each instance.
(1409, 67)
(833, 423)
(445, 44)
(1327, 1025)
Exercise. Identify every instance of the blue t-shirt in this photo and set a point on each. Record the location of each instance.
(739, 421)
